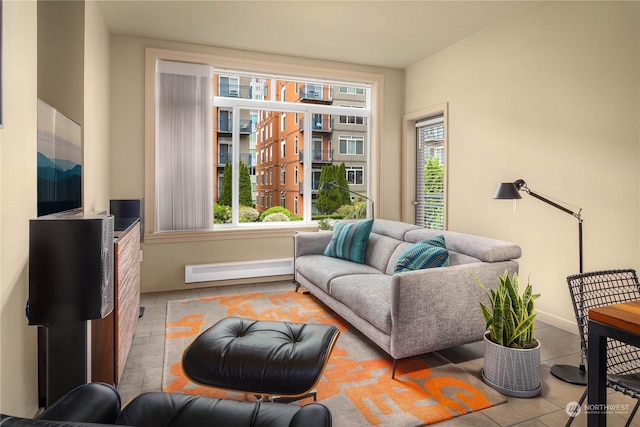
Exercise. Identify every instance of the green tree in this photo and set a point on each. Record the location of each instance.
(225, 193)
(330, 200)
(245, 186)
(246, 198)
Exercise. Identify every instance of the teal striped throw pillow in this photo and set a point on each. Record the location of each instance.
(349, 240)
(426, 253)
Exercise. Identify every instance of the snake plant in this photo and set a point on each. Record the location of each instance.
(510, 319)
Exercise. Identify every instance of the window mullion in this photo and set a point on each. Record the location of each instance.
(235, 158)
(308, 167)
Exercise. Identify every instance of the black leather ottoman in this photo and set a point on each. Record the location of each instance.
(260, 357)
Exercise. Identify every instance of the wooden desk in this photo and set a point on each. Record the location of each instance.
(618, 321)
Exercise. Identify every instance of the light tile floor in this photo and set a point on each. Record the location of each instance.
(143, 371)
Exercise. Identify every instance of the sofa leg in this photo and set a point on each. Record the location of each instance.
(297, 285)
(393, 370)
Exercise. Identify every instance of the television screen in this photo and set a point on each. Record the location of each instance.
(59, 161)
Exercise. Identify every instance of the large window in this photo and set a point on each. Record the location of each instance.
(230, 140)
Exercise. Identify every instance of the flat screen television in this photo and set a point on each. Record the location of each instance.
(59, 161)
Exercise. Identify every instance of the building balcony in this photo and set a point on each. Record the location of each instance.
(316, 94)
(324, 125)
(315, 186)
(318, 156)
(226, 126)
(241, 91)
(246, 158)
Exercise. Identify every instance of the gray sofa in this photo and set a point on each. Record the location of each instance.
(412, 312)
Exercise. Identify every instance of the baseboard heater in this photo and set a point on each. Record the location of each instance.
(238, 270)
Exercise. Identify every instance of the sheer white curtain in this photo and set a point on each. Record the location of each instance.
(183, 146)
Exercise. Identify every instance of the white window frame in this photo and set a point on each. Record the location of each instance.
(351, 90)
(354, 140)
(358, 172)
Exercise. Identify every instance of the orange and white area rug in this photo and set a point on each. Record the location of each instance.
(356, 385)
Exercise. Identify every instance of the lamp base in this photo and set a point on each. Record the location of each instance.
(570, 374)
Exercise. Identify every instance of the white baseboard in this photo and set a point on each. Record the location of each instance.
(558, 322)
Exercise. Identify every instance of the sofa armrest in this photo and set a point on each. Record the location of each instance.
(311, 243)
(438, 308)
(88, 403)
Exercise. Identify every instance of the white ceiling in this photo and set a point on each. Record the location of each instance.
(391, 34)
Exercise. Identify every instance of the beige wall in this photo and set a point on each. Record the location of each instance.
(83, 101)
(18, 384)
(163, 265)
(96, 110)
(551, 96)
(61, 56)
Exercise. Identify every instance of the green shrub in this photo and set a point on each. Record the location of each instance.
(346, 210)
(276, 217)
(248, 214)
(324, 224)
(221, 214)
(276, 209)
(359, 211)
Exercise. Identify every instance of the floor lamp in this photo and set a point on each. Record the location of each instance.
(511, 190)
(330, 184)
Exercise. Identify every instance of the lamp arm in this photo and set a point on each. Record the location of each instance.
(523, 186)
(555, 205)
(351, 191)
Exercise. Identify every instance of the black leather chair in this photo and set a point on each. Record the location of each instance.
(97, 404)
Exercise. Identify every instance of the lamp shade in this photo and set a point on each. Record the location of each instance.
(507, 190)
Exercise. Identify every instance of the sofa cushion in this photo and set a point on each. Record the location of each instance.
(428, 253)
(320, 269)
(368, 295)
(394, 229)
(349, 240)
(379, 250)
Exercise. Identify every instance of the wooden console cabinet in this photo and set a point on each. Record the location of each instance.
(111, 337)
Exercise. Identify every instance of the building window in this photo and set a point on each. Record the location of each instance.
(229, 86)
(355, 175)
(295, 175)
(295, 205)
(351, 145)
(283, 175)
(351, 90)
(283, 122)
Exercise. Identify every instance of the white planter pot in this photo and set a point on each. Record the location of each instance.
(511, 371)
